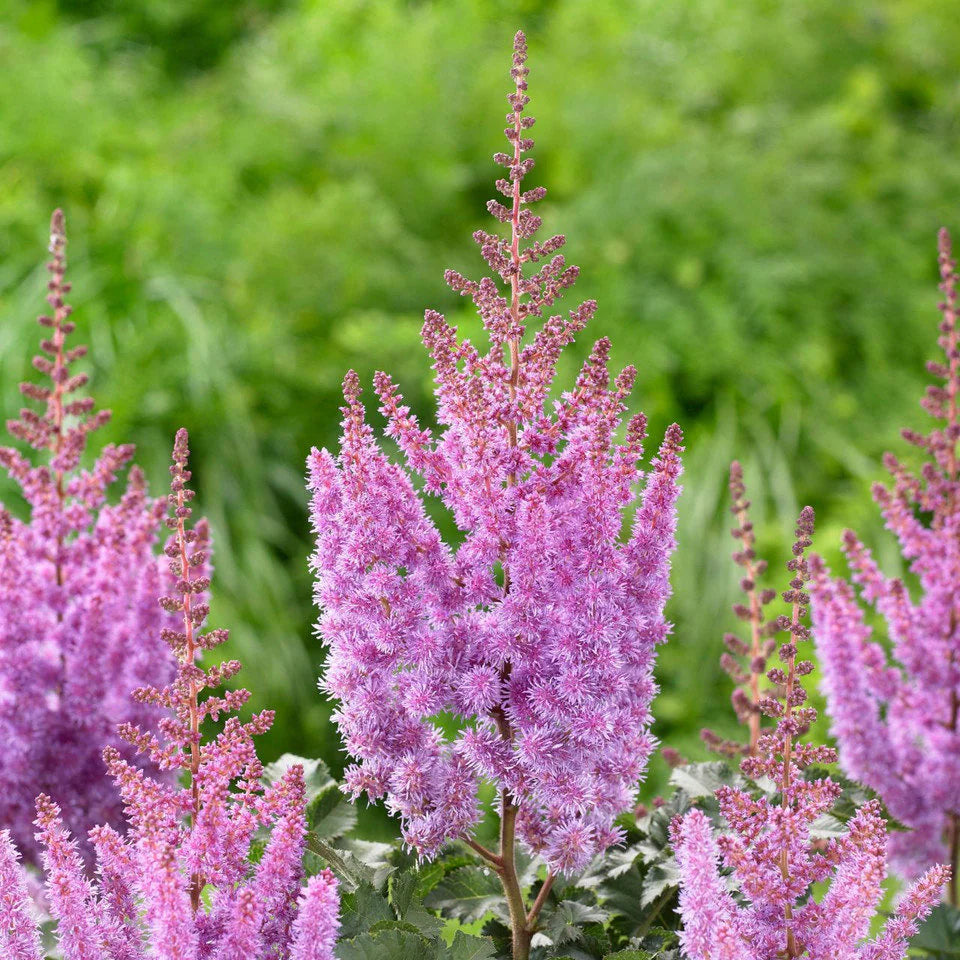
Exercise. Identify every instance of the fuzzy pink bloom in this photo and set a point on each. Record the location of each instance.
(538, 627)
(774, 862)
(79, 622)
(181, 884)
(19, 937)
(895, 716)
(315, 929)
(710, 913)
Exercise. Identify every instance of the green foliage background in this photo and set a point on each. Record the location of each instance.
(260, 195)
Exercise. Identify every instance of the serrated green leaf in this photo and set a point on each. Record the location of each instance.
(316, 776)
(330, 814)
(400, 890)
(343, 862)
(629, 954)
(394, 925)
(852, 797)
(375, 856)
(409, 907)
(627, 897)
(361, 910)
(390, 945)
(656, 825)
(658, 879)
(827, 826)
(467, 894)
(563, 924)
(428, 876)
(703, 779)
(622, 894)
(465, 947)
(499, 933)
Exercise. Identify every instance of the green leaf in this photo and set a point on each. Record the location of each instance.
(375, 856)
(330, 814)
(394, 925)
(940, 934)
(656, 825)
(467, 894)
(703, 779)
(629, 954)
(428, 876)
(500, 934)
(402, 891)
(343, 863)
(827, 826)
(563, 923)
(390, 945)
(315, 773)
(354, 861)
(361, 910)
(622, 895)
(658, 879)
(465, 947)
(637, 900)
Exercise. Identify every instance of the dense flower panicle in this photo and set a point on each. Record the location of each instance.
(746, 662)
(183, 840)
(79, 623)
(773, 859)
(539, 629)
(896, 721)
(317, 923)
(19, 936)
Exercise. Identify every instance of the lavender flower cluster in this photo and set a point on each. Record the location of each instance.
(79, 621)
(773, 859)
(180, 884)
(539, 628)
(898, 724)
(519, 655)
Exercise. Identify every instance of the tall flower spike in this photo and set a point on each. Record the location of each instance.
(746, 662)
(79, 622)
(19, 937)
(189, 839)
(897, 718)
(539, 629)
(773, 861)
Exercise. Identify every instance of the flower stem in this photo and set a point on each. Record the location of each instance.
(511, 882)
(196, 882)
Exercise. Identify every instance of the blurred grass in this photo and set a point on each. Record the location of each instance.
(260, 195)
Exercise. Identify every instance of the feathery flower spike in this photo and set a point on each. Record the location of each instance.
(540, 629)
(181, 885)
(897, 724)
(79, 623)
(768, 849)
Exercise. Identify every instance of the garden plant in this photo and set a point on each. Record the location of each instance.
(492, 581)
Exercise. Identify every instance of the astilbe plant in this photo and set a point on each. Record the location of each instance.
(774, 862)
(896, 723)
(538, 632)
(745, 662)
(79, 621)
(181, 885)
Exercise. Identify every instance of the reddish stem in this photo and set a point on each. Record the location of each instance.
(196, 884)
